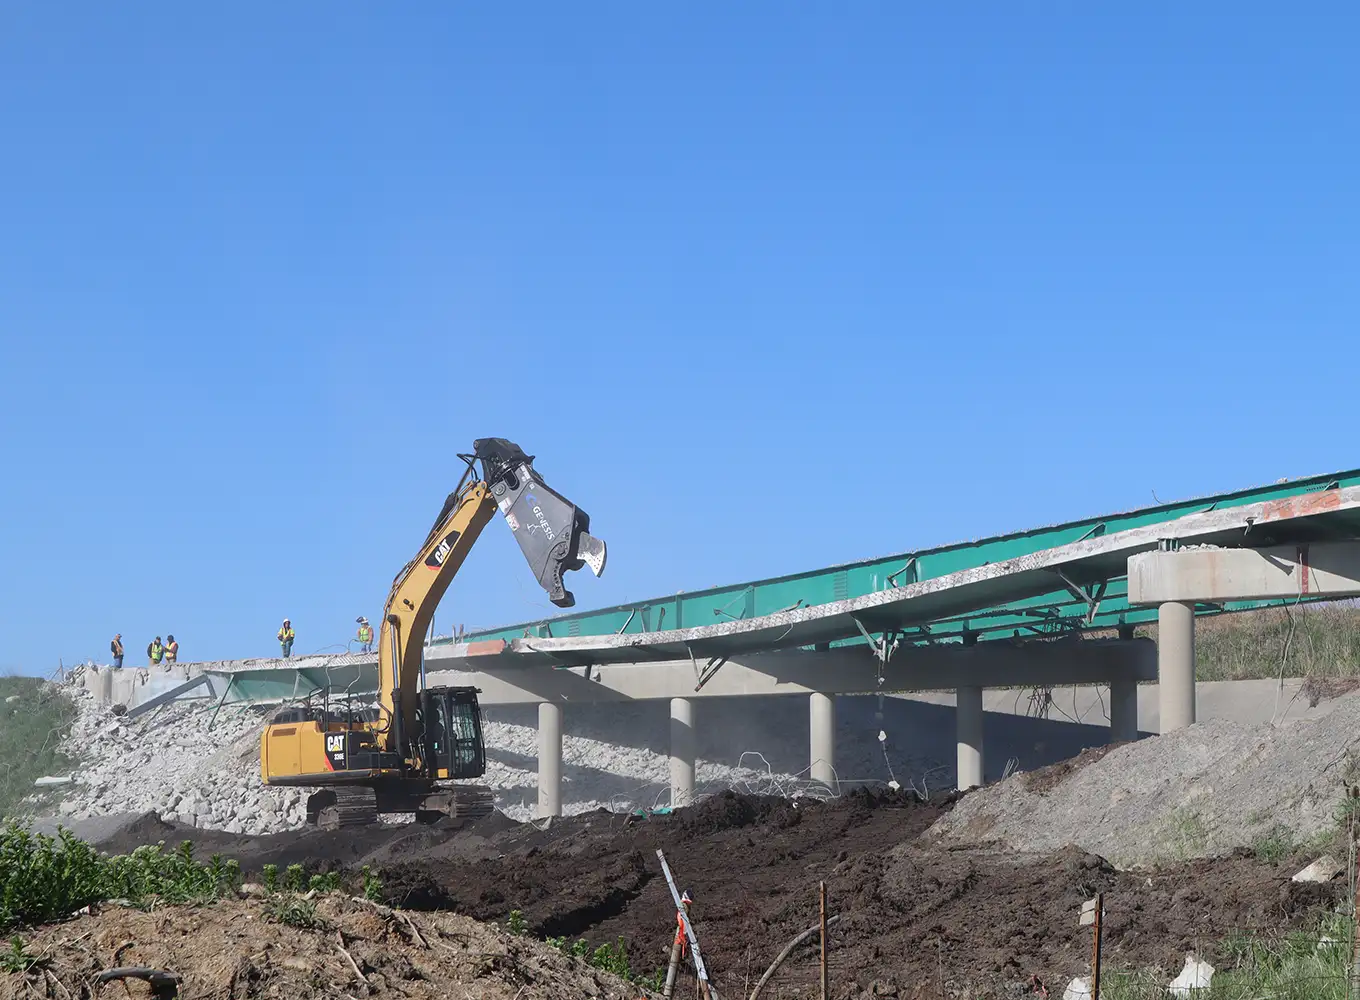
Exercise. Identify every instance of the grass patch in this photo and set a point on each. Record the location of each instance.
(1276, 844)
(31, 727)
(1310, 965)
(1323, 640)
(1188, 836)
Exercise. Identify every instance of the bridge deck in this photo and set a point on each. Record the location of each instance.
(1052, 609)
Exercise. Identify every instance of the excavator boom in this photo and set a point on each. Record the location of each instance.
(552, 532)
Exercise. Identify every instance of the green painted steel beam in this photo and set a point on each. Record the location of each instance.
(1060, 611)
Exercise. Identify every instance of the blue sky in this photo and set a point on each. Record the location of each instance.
(765, 287)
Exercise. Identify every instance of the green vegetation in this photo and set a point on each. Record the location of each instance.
(31, 727)
(612, 958)
(17, 959)
(45, 878)
(516, 924)
(1317, 640)
(1275, 844)
(373, 887)
(1189, 838)
(1298, 966)
(295, 911)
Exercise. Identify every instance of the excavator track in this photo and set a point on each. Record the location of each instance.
(473, 801)
(343, 807)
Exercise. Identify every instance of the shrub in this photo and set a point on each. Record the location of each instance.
(16, 959)
(46, 878)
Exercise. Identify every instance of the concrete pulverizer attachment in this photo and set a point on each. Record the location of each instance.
(553, 533)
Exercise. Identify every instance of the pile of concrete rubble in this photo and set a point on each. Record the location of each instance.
(192, 764)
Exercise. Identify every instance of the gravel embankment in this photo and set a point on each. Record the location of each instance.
(1201, 791)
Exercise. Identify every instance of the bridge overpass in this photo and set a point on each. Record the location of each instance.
(1045, 607)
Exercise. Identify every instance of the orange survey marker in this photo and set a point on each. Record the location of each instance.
(680, 941)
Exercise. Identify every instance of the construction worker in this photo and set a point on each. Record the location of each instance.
(286, 637)
(116, 648)
(155, 651)
(171, 650)
(365, 635)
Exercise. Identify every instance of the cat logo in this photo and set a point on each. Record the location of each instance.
(335, 743)
(435, 560)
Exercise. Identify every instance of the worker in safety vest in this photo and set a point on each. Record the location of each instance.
(155, 651)
(286, 638)
(365, 635)
(171, 650)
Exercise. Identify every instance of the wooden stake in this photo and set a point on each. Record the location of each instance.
(1095, 948)
(704, 989)
(674, 965)
(825, 993)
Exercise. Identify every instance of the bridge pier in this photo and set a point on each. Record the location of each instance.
(549, 759)
(682, 752)
(1176, 664)
(968, 725)
(1123, 711)
(822, 730)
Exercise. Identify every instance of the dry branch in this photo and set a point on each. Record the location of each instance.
(788, 950)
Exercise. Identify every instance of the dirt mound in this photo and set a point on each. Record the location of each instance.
(909, 911)
(236, 950)
(913, 913)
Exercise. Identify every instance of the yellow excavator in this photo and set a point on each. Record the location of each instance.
(403, 755)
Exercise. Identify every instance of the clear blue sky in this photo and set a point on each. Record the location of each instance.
(765, 286)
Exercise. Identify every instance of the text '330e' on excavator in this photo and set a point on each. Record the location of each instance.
(404, 755)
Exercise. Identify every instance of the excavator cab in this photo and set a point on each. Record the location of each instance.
(451, 733)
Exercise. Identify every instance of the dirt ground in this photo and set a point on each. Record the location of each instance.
(916, 920)
(235, 951)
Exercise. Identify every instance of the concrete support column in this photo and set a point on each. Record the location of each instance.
(968, 722)
(549, 759)
(1123, 711)
(822, 726)
(1176, 664)
(682, 752)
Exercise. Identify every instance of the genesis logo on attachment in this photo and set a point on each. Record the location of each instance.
(435, 560)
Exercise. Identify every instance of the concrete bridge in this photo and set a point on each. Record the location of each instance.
(953, 631)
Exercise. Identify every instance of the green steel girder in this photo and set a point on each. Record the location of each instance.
(1073, 605)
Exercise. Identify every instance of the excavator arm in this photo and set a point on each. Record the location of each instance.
(552, 533)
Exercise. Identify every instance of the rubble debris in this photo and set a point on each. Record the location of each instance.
(1324, 869)
(1194, 976)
